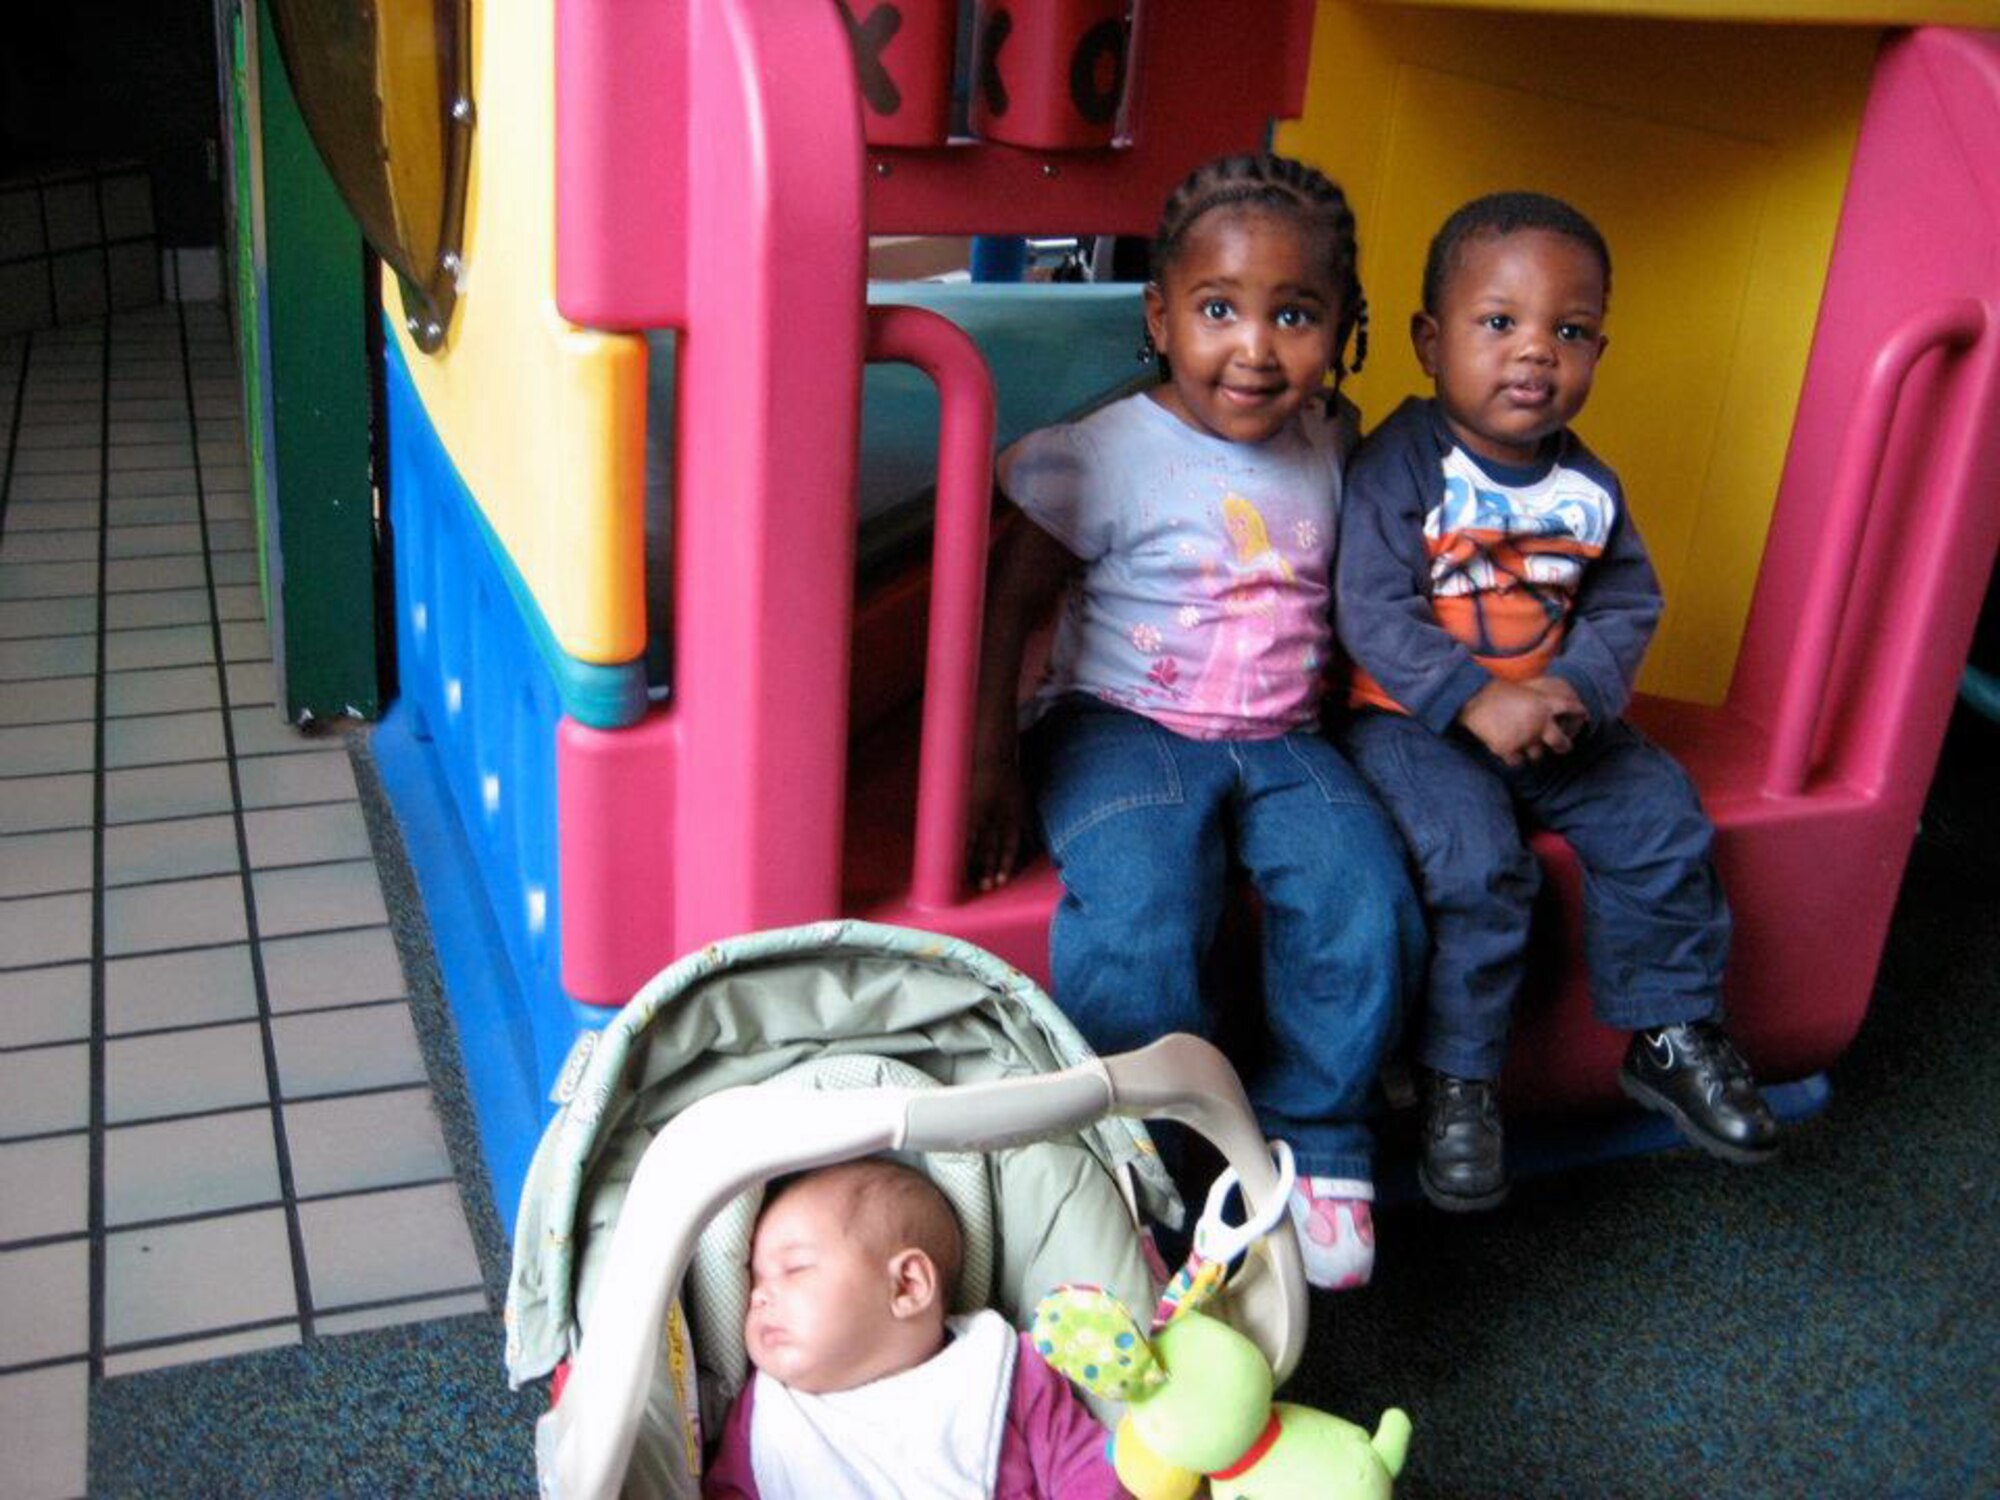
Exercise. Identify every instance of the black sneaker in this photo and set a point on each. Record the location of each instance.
(1695, 1074)
(1464, 1165)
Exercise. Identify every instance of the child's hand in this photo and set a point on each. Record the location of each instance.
(1516, 721)
(1000, 830)
(1572, 718)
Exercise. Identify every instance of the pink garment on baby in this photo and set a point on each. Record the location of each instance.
(1053, 1449)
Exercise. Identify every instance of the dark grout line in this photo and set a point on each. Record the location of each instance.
(217, 812)
(294, 1233)
(255, 1207)
(181, 1117)
(99, 797)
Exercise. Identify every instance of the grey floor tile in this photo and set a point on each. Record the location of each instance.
(153, 510)
(329, 969)
(183, 1072)
(252, 684)
(200, 1351)
(231, 536)
(290, 780)
(194, 988)
(43, 1090)
(147, 430)
(47, 749)
(306, 835)
(56, 461)
(45, 1188)
(240, 601)
(314, 898)
(193, 1166)
(365, 1141)
(170, 691)
(52, 515)
(190, 1278)
(124, 574)
(32, 803)
(262, 730)
(47, 580)
(21, 619)
(155, 792)
(153, 541)
(44, 1005)
(52, 701)
(136, 853)
(196, 913)
(464, 1304)
(399, 1243)
(168, 607)
(53, 1404)
(336, 1051)
(121, 484)
(163, 739)
(46, 1291)
(245, 640)
(130, 456)
(167, 646)
(51, 546)
(48, 656)
(44, 929)
(234, 567)
(57, 486)
(230, 507)
(42, 864)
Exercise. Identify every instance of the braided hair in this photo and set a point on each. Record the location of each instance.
(1496, 216)
(1276, 184)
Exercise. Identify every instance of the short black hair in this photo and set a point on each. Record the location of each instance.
(1494, 217)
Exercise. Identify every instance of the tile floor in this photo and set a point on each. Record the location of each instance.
(216, 1129)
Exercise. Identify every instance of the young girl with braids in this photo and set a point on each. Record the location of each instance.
(1175, 733)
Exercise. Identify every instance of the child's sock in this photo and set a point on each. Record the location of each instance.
(1336, 1230)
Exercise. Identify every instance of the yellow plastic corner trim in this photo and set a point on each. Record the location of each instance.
(1713, 158)
(544, 421)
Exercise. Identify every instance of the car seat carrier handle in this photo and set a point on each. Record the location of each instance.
(734, 1139)
(946, 353)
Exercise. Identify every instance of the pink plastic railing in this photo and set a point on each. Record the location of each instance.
(944, 352)
(1957, 324)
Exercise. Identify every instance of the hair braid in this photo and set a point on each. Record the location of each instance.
(1265, 180)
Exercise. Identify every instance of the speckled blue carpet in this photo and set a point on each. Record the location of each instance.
(1660, 1327)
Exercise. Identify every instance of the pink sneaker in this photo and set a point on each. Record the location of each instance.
(1336, 1230)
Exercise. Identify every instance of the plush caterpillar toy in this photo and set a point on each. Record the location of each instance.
(1197, 1392)
(1198, 1405)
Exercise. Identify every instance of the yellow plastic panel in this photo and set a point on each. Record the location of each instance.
(545, 421)
(1712, 157)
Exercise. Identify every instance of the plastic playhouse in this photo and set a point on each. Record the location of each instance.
(661, 415)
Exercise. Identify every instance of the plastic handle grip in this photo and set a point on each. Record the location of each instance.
(943, 351)
(1956, 324)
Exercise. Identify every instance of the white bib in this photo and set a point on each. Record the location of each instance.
(929, 1433)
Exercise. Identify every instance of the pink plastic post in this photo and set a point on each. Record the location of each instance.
(1956, 324)
(943, 351)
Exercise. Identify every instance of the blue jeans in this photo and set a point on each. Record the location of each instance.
(1655, 924)
(1143, 823)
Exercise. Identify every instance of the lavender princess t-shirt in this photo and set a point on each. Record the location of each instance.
(1203, 600)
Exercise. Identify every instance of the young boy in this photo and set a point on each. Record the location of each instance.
(1496, 601)
(864, 1388)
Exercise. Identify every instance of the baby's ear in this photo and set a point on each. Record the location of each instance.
(913, 1283)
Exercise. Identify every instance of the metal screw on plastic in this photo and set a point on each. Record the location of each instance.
(1050, 169)
(461, 111)
(883, 169)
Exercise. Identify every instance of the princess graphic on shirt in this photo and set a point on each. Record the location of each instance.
(1261, 644)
